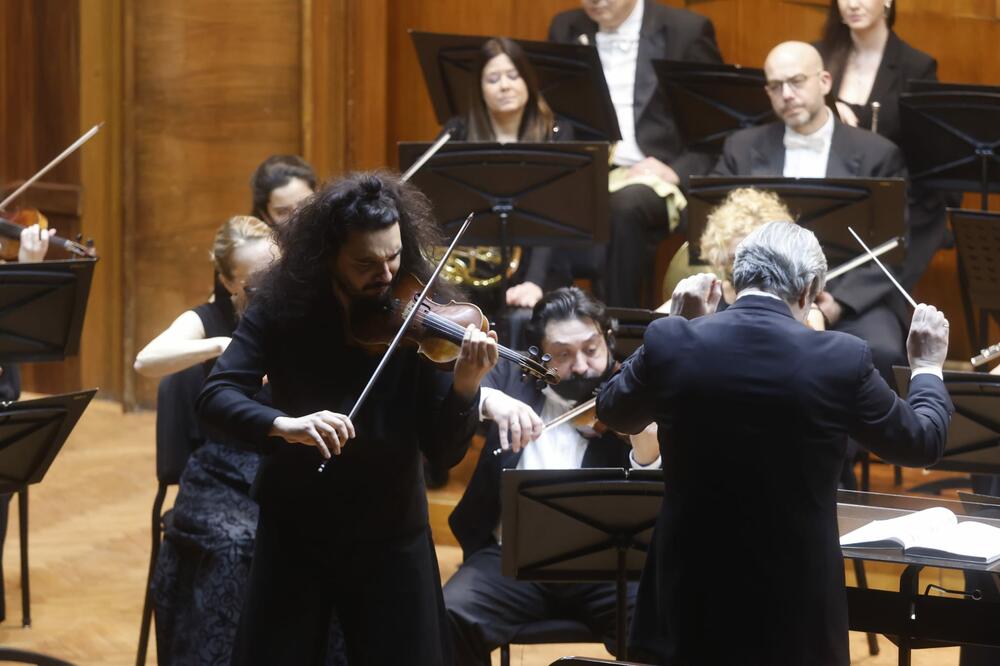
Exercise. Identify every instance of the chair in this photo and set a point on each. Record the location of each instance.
(548, 631)
(177, 436)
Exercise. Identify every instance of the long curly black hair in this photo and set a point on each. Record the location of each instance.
(312, 237)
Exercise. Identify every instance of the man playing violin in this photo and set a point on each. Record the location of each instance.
(354, 538)
(485, 608)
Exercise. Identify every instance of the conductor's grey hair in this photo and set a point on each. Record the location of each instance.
(782, 259)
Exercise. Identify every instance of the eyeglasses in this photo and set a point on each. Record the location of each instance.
(796, 83)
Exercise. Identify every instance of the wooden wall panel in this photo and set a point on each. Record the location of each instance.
(216, 88)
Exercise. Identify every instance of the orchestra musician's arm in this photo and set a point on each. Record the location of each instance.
(180, 346)
(451, 406)
(911, 432)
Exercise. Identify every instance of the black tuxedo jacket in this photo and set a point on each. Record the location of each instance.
(754, 410)
(666, 34)
(760, 151)
(478, 512)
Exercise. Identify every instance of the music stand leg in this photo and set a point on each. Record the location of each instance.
(984, 180)
(909, 585)
(22, 513)
(621, 614)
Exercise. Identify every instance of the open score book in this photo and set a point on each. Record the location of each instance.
(932, 532)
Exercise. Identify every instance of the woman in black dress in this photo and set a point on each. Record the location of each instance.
(871, 64)
(203, 563)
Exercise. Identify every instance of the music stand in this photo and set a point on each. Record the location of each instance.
(553, 194)
(951, 136)
(977, 239)
(628, 325)
(973, 445)
(42, 306)
(711, 101)
(569, 76)
(873, 207)
(580, 525)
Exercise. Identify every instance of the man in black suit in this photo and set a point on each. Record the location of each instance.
(747, 569)
(629, 35)
(485, 608)
(809, 141)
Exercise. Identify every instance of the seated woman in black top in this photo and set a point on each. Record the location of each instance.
(871, 64)
(507, 107)
(203, 563)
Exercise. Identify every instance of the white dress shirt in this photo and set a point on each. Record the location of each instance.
(619, 52)
(806, 155)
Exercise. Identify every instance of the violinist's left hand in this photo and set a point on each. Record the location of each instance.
(478, 355)
(34, 243)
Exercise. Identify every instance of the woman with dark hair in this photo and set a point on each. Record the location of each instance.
(508, 107)
(871, 64)
(353, 539)
(278, 185)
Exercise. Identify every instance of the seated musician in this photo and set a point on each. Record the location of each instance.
(33, 246)
(810, 142)
(278, 185)
(508, 107)
(629, 35)
(743, 210)
(202, 567)
(485, 608)
(783, 389)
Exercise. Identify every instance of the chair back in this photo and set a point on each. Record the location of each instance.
(178, 433)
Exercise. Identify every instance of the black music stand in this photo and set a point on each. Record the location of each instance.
(974, 434)
(709, 101)
(628, 325)
(42, 306)
(553, 194)
(580, 525)
(873, 207)
(977, 239)
(31, 434)
(951, 136)
(569, 76)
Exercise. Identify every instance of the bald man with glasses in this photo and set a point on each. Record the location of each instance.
(809, 141)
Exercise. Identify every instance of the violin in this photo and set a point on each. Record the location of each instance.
(12, 228)
(437, 329)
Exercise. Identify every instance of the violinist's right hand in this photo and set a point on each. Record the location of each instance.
(517, 422)
(696, 295)
(325, 430)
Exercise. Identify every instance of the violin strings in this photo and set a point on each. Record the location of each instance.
(439, 324)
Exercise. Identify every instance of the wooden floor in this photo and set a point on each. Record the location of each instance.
(89, 550)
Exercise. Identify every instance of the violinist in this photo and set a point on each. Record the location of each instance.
(353, 538)
(485, 608)
(34, 245)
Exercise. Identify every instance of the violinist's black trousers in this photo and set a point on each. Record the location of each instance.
(387, 595)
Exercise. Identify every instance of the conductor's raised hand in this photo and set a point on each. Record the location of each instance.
(517, 423)
(478, 355)
(696, 295)
(325, 430)
(927, 343)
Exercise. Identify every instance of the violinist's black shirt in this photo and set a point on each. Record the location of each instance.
(374, 490)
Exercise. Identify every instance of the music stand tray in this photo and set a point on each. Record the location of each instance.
(552, 194)
(580, 525)
(873, 207)
(42, 306)
(973, 445)
(711, 101)
(31, 434)
(628, 325)
(570, 78)
(951, 136)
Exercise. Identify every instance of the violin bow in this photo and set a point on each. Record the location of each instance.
(87, 136)
(414, 308)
